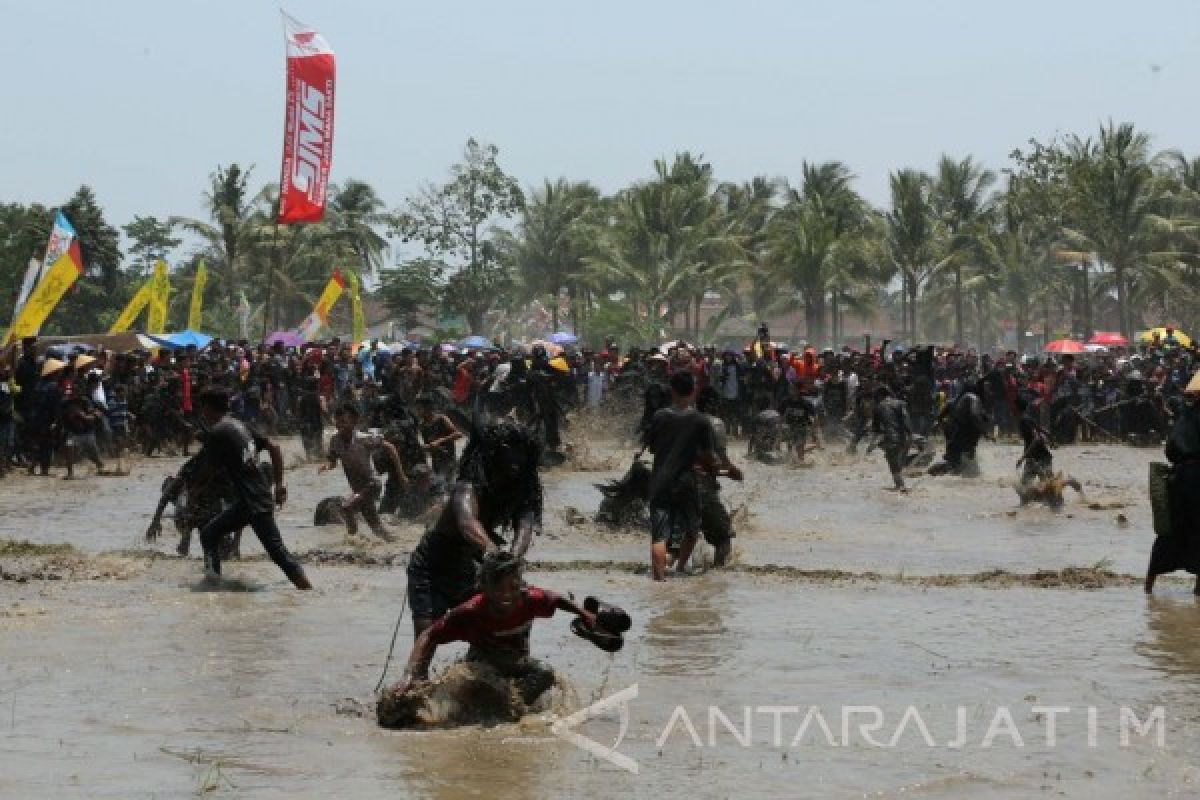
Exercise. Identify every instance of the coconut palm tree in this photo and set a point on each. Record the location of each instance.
(961, 201)
(355, 212)
(912, 237)
(553, 236)
(1115, 200)
(811, 233)
(666, 243)
(230, 230)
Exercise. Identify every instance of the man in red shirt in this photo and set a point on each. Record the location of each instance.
(496, 623)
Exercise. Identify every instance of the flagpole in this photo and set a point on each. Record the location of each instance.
(271, 267)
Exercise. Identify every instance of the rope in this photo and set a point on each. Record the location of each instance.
(391, 647)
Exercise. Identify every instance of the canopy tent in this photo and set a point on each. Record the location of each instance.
(116, 342)
(178, 341)
(1065, 347)
(477, 343)
(1108, 339)
(1147, 337)
(286, 338)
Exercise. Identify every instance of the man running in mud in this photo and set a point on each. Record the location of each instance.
(892, 425)
(1036, 461)
(496, 622)
(965, 423)
(234, 450)
(498, 487)
(440, 434)
(683, 443)
(355, 451)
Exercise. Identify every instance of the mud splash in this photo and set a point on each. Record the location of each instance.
(466, 693)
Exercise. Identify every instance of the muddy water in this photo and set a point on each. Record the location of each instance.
(124, 680)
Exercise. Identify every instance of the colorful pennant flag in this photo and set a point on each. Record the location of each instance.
(196, 309)
(59, 277)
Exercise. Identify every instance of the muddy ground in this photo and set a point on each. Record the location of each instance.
(122, 676)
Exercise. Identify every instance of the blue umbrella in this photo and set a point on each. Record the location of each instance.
(477, 343)
(563, 337)
(183, 339)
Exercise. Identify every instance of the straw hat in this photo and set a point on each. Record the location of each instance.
(1193, 386)
(52, 366)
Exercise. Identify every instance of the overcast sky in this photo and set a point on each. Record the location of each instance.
(143, 99)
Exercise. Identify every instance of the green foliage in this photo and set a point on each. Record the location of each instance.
(151, 240)
(99, 241)
(1096, 229)
(458, 225)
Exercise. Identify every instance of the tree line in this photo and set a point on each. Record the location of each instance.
(1087, 233)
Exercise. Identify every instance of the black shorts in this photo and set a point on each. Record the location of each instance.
(673, 523)
(430, 597)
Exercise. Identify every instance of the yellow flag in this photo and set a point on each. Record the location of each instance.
(160, 294)
(140, 300)
(360, 320)
(197, 297)
(45, 296)
(320, 313)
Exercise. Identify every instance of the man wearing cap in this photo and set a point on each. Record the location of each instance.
(1181, 548)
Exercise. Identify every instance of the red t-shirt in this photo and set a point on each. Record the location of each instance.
(462, 384)
(472, 622)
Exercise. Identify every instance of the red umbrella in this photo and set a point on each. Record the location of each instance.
(1065, 346)
(1109, 339)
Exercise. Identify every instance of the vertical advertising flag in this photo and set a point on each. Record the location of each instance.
(140, 300)
(57, 278)
(360, 320)
(61, 236)
(160, 295)
(308, 125)
(197, 306)
(320, 313)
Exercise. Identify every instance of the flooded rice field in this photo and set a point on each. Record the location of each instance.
(940, 643)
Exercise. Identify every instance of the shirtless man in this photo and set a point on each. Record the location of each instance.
(498, 487)
(355, 451)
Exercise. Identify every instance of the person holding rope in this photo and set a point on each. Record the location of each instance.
(496, 622)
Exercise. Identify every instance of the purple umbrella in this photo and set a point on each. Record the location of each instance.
(286, 338)
(563, 337)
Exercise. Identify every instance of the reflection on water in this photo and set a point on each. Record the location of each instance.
(691, 636)
(1172, 643)
(512, 761)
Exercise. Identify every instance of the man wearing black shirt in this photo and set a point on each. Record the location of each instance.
(682, 440)
(234, 450)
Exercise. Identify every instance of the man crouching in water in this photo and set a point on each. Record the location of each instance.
(233, 449)
(684, 444)
(498, 486)
(496, 623)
